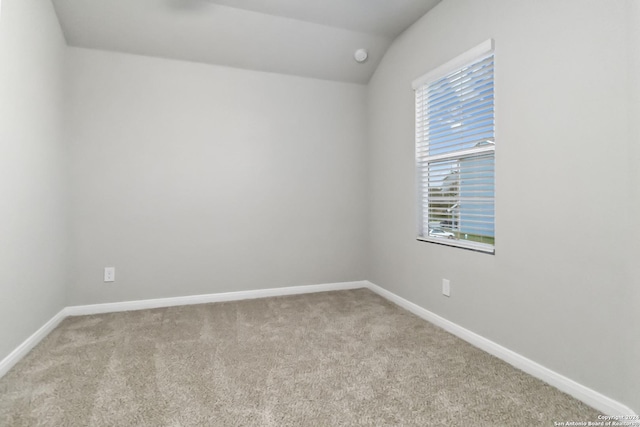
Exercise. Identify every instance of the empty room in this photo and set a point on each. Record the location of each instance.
(319, 212)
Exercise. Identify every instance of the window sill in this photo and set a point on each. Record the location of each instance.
(464, 244)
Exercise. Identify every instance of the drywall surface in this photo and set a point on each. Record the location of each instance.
(558, 289)
(633, 332)
(33, 226)
(193, 179)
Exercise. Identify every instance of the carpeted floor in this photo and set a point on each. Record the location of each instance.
(337, 358)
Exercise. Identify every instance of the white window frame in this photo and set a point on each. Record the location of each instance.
(478, 53)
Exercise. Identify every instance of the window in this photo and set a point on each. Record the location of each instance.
(455, 151)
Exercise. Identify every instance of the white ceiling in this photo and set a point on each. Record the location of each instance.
(300, 37)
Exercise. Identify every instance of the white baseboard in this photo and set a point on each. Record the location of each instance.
(81, 310)
(591, 397)
(21, 351)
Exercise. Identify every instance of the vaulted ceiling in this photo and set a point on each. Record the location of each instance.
(310, 38)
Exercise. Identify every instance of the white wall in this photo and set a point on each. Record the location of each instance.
(33, 226)
(633, 14)
(193, 179)
(557, 288)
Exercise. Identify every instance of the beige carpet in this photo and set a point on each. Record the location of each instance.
(336, 358)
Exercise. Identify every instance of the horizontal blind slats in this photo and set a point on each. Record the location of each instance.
(453, 128)
(485, 91)
(473, 69)
(457, 114)
(461, 154)
(455, 159)
(464, 93)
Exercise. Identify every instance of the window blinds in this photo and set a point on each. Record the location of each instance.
(455, 152)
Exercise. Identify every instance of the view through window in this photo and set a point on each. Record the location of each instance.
(455, 152)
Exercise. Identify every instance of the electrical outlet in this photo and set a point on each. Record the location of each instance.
(446, 287)
(109, 274)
